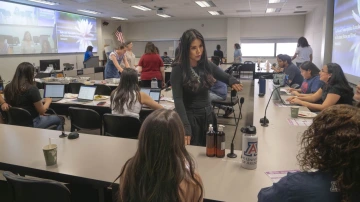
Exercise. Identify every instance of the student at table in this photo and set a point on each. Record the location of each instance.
(303, 52)
(165, 58)
(161, 169)
(311, 82)
(291, 70)
(130, 56)
(331, 147)
(22, 92)
(4, 107)
(112, 67)
(88, 54)
(191, 78)
(336, 90)
(151, 66)
(126, 99)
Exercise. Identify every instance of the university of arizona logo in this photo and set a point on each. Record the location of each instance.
(251, 150)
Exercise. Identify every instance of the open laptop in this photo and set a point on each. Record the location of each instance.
(145, 90)
(86, 94)
(154, 93)
(54, 91)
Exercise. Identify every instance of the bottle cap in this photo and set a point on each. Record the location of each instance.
(221, 128)
(211, 127)
(249, 129)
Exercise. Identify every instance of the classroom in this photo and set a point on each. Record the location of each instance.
(179, 100)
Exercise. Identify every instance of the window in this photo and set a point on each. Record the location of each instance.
(258, 49)
(286, 48)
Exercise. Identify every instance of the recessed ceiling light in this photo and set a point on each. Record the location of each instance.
(45, 2)
(119, 18)
(272, 10)
(89, 11)
(216, 12)
(204, 4)
(276, 1)
(143, 8)
(164, 15)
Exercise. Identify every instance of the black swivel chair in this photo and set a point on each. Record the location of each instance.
(83, 118)
(74, 88)
(102, 89)
(40, 190)
(229, 102)
(121, 126)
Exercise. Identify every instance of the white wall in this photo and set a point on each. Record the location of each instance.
(314, 33)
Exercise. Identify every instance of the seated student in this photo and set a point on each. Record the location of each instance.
(331, 146)
(22, 92)
(219, 90)
(311, 82)
(293, 72)
(4, 107)
(165, 58)
(161, 169)
(126, 99)
(336, 90)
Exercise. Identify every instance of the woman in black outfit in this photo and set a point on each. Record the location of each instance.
(191, 77)
(218, 52)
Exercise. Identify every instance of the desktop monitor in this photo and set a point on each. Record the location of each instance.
(46, 63)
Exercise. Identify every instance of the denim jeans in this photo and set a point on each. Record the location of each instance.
(213, 96)
(47, 121)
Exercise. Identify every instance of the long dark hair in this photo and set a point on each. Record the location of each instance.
(160, 163)
(183, 60)
(124, 93)
(332, 144)
(338, 77)
(27, 32)
(89, 48)
(310, 66)
(150, 48)
(302, 42)
(23, 79)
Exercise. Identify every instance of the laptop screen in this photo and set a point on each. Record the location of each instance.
(145, 90)
(54, 91)
(87, 92)
(155, 96)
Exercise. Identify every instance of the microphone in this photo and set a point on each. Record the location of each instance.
(264, 121)
(232, 154)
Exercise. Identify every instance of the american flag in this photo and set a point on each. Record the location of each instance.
(119, 35)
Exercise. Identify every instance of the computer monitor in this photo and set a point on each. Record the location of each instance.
(46, 63)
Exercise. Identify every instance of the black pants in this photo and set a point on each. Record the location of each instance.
(147, 83)
(199, 120)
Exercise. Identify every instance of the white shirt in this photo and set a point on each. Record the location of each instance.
(303, 54)
(133, 112)
(130, 59)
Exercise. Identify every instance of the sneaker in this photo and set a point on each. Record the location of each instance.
(228, 112)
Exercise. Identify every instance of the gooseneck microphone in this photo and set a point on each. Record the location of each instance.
(232, 154)
(264, 121)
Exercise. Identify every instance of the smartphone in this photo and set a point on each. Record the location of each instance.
(101, 103)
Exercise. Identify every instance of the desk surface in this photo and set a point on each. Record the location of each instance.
(100, 158)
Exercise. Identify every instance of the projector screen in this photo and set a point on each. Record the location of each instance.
(346, 39)
(31, 30)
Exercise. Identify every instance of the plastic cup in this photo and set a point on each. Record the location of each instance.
(50, 154)
(294, 111)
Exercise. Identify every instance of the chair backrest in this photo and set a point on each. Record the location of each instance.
(247, 67)
(74, 88)
(102, 89)
(28, 189)
(121, 126)
(39, 85)
(83, 118)
(20, 117)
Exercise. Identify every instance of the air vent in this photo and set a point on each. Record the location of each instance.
(83, 1)
(300, 12)
(243, 11)
(139, 16)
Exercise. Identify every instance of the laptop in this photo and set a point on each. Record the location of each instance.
(155, 95)
(86, 94)
(54, 91)
(145, 90)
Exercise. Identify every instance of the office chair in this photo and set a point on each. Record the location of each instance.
(121, 126)
(83, 118)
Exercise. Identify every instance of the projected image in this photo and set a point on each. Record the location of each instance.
(346, 41)
(75, 32)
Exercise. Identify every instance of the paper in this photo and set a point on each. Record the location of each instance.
(279, 104)
(299, 122)
(167, 99)
(275, 176)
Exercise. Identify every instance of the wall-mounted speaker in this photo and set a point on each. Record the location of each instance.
(105, 23)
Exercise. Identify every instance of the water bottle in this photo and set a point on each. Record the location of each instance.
(154, 83)
(249, 148)
(262, 86)
(276, 94)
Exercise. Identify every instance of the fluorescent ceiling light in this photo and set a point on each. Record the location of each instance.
(204, 4)
(216, 12)
(276, 1)
(164, 15)
(45, 2)
(143, 8)
(272, 10)
(119, 18)
(89, 11)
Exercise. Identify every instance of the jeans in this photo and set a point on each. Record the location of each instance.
(47, 121)
(213, 96)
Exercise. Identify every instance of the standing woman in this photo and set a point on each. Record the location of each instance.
(191, 78)
(112, 67)
(237, 53)
(303, 52)
(218, 52)
(88, 54)
(130, 56)
(151, 66)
